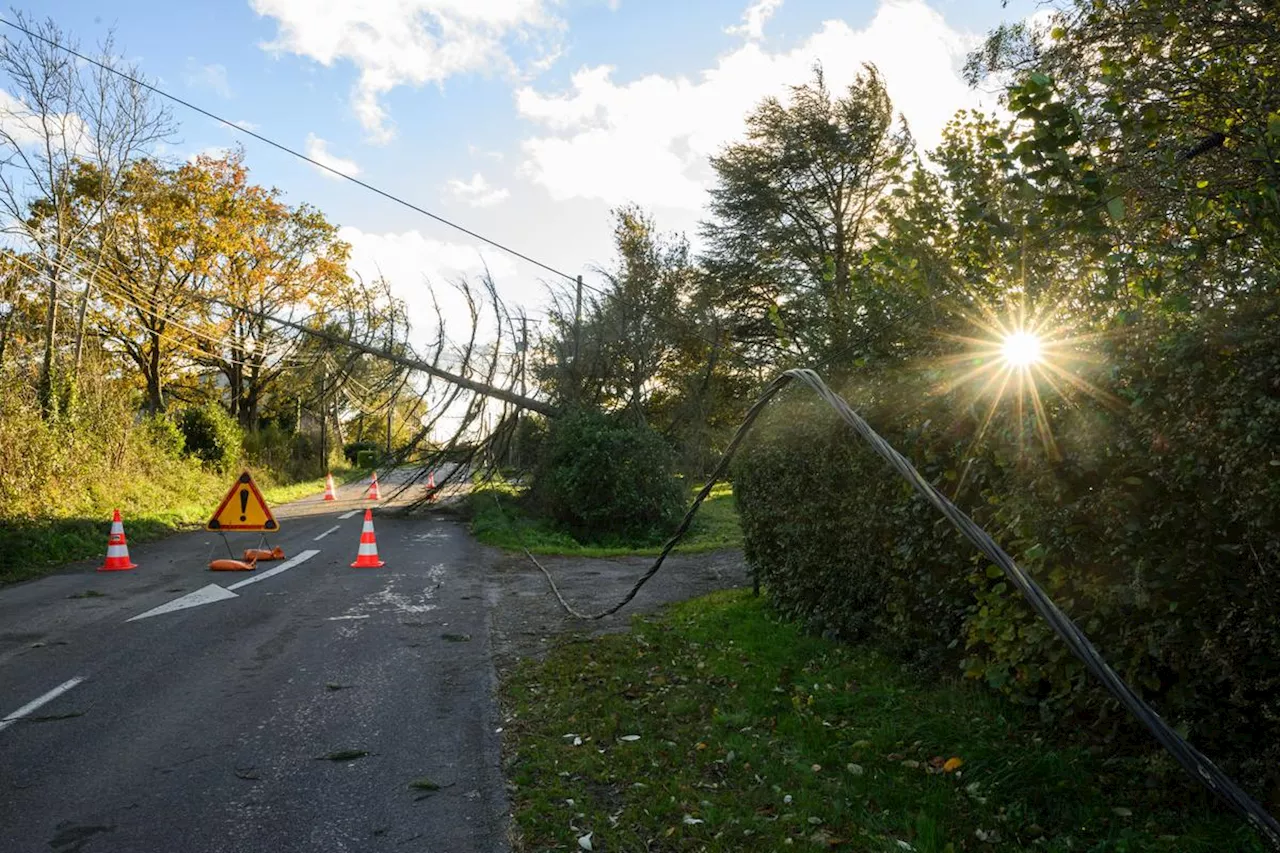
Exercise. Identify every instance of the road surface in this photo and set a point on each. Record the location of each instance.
(208, 728)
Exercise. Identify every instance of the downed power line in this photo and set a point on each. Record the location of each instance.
(1197, 765)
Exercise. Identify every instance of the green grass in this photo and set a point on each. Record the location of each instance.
(754, 736)
(33, 547)
(499, 518)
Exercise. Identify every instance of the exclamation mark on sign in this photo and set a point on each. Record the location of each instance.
(244, 502)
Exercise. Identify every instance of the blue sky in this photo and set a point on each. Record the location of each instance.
(525, 120)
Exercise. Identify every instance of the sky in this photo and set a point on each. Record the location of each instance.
(526, 121)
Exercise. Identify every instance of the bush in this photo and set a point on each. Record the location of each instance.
(352, 450)
(212, 435)
(164, 435)
(1156, 526)
(601, 477)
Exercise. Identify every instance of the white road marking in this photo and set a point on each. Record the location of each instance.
(283, 567)
(36, 703)
(347, 515)
(204, 595)
(327, 532)
(342, 618)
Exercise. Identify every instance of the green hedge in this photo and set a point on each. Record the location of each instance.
(1155, 525)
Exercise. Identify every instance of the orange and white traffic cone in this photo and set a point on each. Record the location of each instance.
(374, 494)
(431, 485)
(117, 548)
(328, 488)
(367, 556)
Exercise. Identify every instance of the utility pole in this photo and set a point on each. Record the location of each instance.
(324, 419)
(391, 407)
(577, 337)
(524, 350)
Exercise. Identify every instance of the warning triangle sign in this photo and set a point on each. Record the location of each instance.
(243, 509)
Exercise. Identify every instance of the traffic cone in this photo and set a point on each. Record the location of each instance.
(328, 488)
(367, 556)
(117, 548)
(431, 485)
(374, 494)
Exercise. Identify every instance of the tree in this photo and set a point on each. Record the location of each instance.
(795, 206)
(159, 251)
(631, 330)
(271, 260)
(56, 113)
(1173, 107)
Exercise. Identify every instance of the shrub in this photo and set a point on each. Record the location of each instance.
(602, 477)
(1156, 526)
(352, 450)
(212, 435)
(164, 435)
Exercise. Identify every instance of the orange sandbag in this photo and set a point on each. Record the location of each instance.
(231, 566)
(262, 554)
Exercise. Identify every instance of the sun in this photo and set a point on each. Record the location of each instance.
(1015, 360)
(1022, 349)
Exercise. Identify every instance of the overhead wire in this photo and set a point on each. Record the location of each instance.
(162, 335)
(717, 345)
(103, 280)
(336, 172)
(281, 146)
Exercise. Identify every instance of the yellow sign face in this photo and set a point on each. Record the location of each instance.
(243, 509)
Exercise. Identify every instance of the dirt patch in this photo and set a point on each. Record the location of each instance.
(527, 619)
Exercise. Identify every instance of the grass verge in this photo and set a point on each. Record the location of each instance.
(718, 727)
(499, 517)
(32, 547)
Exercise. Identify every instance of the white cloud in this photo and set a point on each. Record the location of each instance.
(213, 152)
(318, 150)
(414, 264)
(754, 19)
(648, 140)
(407, 42)
(477, 192)
(246, 124)
(21, 127)
(479, 152)
(212, 77)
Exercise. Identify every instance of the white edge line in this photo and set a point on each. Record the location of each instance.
(36, 703)
(347, 515)
(327, 532)
(283, 567)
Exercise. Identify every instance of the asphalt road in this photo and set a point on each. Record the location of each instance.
(206, 728)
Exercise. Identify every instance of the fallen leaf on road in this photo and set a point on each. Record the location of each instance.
(343, 755)
(953, 764)
(585, 842)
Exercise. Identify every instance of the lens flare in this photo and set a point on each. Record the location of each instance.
(1013, 365)
(1022, 349)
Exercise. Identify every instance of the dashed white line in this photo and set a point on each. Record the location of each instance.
(36, 703)
(347, 515)
(283, 567)
(327, 532)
